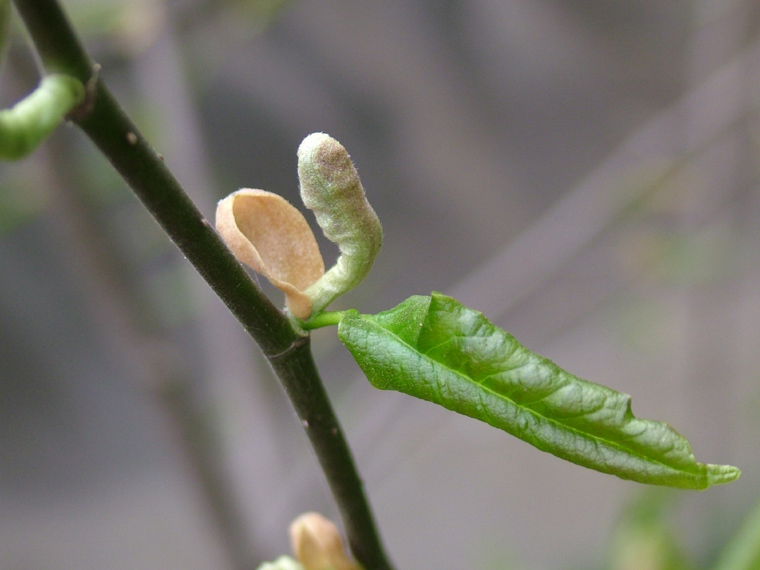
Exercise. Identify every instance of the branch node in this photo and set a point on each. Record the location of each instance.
(295, 345)
(90, 97)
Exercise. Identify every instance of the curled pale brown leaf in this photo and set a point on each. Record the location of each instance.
(267, 233)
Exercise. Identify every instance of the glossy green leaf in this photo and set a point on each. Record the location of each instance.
(436, 349)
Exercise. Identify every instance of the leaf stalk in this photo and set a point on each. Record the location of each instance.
(323, 319)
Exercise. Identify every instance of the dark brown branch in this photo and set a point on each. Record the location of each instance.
(144, 170)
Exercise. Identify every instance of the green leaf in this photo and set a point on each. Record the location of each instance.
(436, 349)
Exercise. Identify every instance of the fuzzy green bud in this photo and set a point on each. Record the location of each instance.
(330, 186)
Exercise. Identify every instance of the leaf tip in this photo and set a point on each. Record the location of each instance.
(721, 474)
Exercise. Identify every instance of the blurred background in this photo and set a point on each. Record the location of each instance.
(582, 171)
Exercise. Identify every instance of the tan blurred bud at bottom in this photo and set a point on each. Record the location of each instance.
(317, 544)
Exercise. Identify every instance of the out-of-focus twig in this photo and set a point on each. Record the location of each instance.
(589, 208)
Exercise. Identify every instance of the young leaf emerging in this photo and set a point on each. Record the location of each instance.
(436, 349)
(330, 186)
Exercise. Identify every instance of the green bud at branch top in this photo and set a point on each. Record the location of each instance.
(33, 119)
(330, 186)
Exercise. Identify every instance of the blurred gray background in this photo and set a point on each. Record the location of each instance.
(582, 171)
